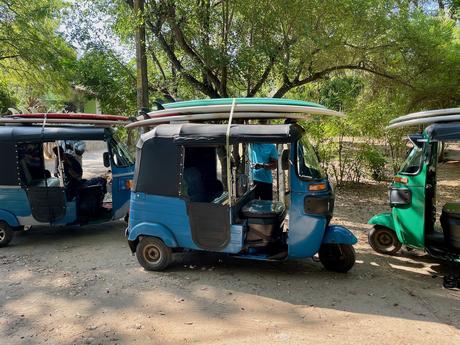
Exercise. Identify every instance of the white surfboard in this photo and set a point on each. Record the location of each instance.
(424, 121)
(246, 108)
(224, 116)
(427, 114)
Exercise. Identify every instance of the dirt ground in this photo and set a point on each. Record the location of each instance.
(82, 286)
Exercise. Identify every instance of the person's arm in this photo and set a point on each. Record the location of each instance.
(271, 165)
(273, 160)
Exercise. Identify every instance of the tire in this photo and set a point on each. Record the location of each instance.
(153, 254)
(384, 240)
(6, 234)
(337, 257)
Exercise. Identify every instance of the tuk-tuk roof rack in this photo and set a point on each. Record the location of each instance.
(240, 108)
(426, 117)
(64, 119)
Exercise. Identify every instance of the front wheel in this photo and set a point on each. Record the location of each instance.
(337, 257)
(153, 254)
(6, 234)
(384, 240)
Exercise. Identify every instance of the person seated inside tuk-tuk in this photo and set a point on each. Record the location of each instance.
(74, 147)
(72, 171)
(30, 159)
(75, 184)
(264, 158)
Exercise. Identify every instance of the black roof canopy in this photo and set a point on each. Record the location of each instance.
(215, 134)
(14, 134)
(448, 131)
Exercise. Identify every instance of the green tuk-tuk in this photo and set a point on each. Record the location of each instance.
(412, 195)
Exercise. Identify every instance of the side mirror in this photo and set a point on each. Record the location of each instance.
(106, 159)
(285, 160)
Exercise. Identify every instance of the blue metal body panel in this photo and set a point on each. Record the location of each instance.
(169, 212)
(121, 194)
(305, 231)
(153, 230)
(339, 235)
(167, 218)
(15, 201)
(8, 218)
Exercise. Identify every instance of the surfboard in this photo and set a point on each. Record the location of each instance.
(38, 121)
(240, 100)
(426, 114)
(424, 120)
(154, 121)
(223, 105)
(82, 116)
(66, 118)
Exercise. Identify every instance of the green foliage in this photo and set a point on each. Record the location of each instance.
(6, 98)
(106, 78)
(32, 53)
(374, 160)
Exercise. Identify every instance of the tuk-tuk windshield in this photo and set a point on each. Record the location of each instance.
(307, 161)
(120, 154)
(413, 161)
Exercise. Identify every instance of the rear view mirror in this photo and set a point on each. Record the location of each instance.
(285, 159)
(106, 159)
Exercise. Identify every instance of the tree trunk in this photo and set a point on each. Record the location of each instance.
(142, 83)
(141, 57)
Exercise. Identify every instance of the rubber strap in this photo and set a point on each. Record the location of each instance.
(227, 148)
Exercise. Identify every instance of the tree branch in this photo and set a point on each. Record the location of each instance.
(9, 57)
(206, 89)
(262, 79)
(321, 74)
(181, 40)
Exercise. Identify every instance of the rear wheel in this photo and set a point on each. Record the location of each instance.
(6, 234)
(384, 240)
(153, 254)
(337, 257)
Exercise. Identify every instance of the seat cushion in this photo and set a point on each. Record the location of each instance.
(263, 209)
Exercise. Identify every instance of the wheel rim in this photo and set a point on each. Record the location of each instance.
(385, 239)
(152, 253)
(2, 234)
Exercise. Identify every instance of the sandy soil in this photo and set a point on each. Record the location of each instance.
(81, 286)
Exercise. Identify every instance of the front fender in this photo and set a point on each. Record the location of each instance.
(339, 235)
(9, 218)
(383, 219)
(153, 230)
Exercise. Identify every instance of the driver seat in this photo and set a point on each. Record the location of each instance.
(264, 219)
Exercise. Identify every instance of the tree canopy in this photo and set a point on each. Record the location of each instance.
(31, 50)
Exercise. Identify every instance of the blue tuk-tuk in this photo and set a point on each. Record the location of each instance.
(192, 191)
(35, 189)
